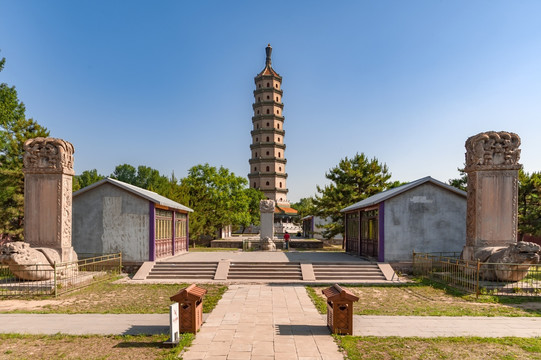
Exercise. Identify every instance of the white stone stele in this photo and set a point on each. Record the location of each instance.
(266, 207)
(266, 232)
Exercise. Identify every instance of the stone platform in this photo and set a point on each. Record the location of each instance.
(295, 243)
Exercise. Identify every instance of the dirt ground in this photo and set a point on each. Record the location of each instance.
(30, 305)
(83, 347)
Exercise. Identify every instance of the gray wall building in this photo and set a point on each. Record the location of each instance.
(425, 215)
(111, 216)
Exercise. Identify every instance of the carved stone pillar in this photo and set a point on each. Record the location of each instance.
(266, 207)
(492, 209)
(48, 169)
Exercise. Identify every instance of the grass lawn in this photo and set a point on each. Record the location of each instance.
(427, 299)
(107, 297)
(15, 346)
(375, 348)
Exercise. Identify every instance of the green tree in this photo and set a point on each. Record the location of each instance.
(305, 206)
(529, 203)
(87, 177)
(352, 180)
(145, 177)
(125, 173)
(461, 182)
(218, 198)
(254, 197)
(15, 129)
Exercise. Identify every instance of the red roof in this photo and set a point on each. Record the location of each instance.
(283, 209)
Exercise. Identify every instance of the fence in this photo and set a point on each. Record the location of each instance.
(478, 277)
(58, 278)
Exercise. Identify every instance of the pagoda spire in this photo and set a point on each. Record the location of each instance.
(268, 50)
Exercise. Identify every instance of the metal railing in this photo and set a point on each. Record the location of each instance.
(59, 278)
(479, 277)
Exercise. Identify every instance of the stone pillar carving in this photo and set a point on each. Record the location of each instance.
(492, 209)
(48, 169)
(266, 234)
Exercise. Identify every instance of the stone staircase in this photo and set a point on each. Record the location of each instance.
(343, 272)
(323, 272)
(264, 271)
(183, 270)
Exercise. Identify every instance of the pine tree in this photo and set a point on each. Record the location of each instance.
(352, 180)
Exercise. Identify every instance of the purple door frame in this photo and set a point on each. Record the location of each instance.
(151, 231)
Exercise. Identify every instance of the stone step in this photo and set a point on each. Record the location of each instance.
(348, 277)
(184, 272)
(185, 267)
(345, 267)
(180, 276)
(342, 272)
(265, 268)
(265, 276)
(187, 263)
(265, 271)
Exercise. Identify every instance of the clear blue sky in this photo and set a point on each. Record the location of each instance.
(168, 84)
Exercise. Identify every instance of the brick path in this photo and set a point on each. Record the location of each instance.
(264, 322)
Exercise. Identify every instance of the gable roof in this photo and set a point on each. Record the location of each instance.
(146, 194)
(387, 194)
(285, 210)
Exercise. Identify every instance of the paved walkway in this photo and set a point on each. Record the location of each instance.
(85, 324)
(264, 322)
(435, 326)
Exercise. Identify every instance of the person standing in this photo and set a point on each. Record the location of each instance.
(286, 240)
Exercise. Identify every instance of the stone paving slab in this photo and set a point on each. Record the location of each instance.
(445, 326)
(85, 324)
(264, 322)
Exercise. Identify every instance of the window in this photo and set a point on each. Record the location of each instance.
(280, 168)
(254, 182)
(278, 111)
(279, 154)
(276, 86)
(278, 139)
(280, 184)
(268, 97)
(268, 111)
(268, 139)
(260, 86)
(258, 111)
(268, 124)
(256, 139)
(267, 153)
(267, 183)
(255, 168)
(280, 199)
(268, 168)
(257, 126)
(258, 99)
(277, 99)
(268, 84)
(255, 154)
(278, 126)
